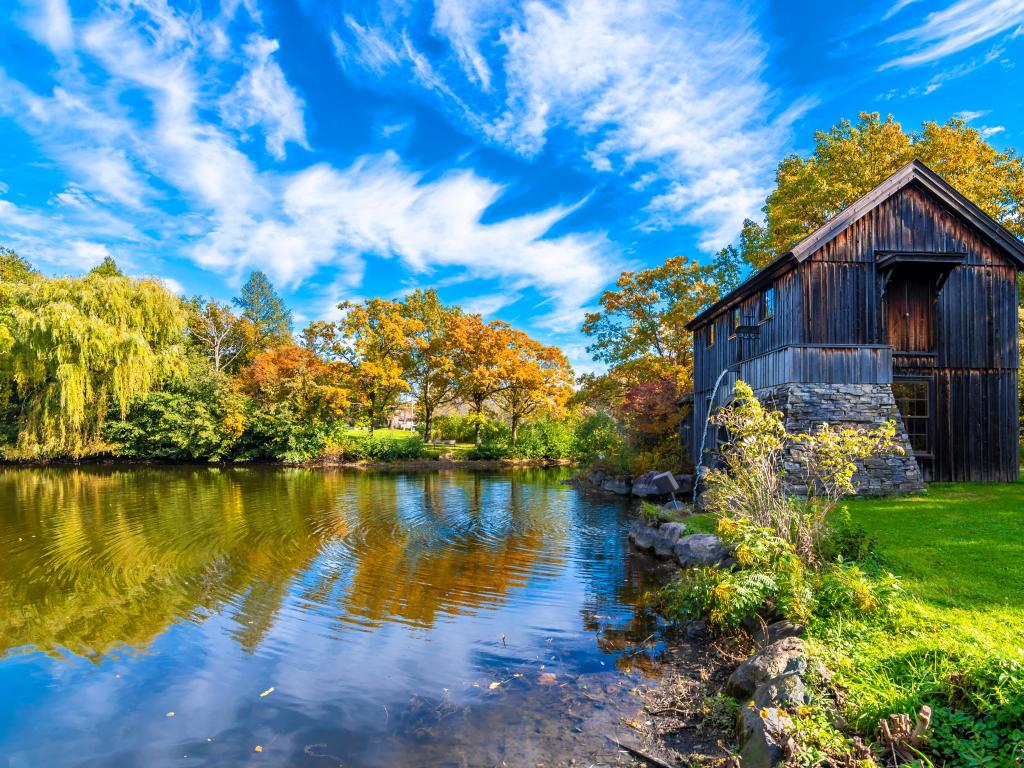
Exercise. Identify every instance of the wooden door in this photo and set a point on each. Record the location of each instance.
(910, 312)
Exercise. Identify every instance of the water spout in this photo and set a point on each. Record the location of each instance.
(697, 476)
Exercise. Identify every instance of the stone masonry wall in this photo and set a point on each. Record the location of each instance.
(860, 405)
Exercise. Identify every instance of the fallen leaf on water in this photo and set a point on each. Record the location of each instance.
(258, 748)
(547, 678)
(169, 714)
(267, 692)
(494, 685)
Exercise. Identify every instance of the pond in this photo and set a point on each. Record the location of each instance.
(183, 616)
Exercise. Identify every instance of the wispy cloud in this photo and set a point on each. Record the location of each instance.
(203, 100)
(963, 24)
(647, 90)
(49, 22)
(263, 98)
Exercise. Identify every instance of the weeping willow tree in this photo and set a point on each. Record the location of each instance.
(73, 348)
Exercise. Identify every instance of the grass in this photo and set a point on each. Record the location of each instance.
(458, 451)
(959, 550)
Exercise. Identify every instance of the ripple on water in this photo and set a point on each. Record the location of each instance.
(381, 609)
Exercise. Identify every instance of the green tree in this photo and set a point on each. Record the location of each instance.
(13, 268)
(107, 268)
(76, 346)
(197, 417)
(265, 310)
(431, 373)
(849, 160)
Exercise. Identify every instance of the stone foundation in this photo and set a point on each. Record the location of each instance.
(857, 405)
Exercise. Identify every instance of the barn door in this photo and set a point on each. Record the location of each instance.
(910, 312)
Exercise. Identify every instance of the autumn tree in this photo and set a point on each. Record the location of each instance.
(311, 387)
(223, 336)
(849, 160)
(482, 352)
(262, 307)
(537, 379)
(640, 330)
(75, 347)
(376, 338)
(432, 372)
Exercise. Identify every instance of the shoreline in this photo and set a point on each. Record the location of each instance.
(399, 465)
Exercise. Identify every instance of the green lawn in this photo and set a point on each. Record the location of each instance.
(458, 451)
(959, 549)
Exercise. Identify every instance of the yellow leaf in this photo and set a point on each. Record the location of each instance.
(170, 714)
(494, 685)
(258, 748)
(267, 692)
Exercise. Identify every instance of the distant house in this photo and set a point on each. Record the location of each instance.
(904, 305)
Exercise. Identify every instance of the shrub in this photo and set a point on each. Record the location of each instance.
(197, 418)
(751, 483)
(598, 442)
(544, 439)
(391, 449)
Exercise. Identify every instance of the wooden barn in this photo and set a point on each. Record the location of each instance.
(902, 305)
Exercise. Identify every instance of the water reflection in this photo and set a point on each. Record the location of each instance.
(375, 604)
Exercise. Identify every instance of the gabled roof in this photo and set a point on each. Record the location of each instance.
(913, 172)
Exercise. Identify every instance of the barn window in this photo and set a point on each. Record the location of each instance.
(736, 319)
(711, 336)
(914, 402)
(767, 303)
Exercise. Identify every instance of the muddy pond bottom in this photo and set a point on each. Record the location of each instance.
(185, 616)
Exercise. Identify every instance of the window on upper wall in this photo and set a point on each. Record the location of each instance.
(736, 319)
(768, 303)
(711, 336)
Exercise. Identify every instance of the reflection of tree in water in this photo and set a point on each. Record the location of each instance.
(98, 557)
(431, 544)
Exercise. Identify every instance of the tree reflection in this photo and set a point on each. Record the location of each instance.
(100, 558)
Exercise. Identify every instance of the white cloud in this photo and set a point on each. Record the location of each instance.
(172, 285)
(231, 215)
(50, 24)
(989, 131)
(644, 87)
(264, 98)
(379, 207)
(963, 24)
(967, 115)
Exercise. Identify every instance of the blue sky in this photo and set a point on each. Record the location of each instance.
(515, 156)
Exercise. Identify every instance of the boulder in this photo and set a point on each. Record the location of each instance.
(666, 538)
(766, 635)
(644, 486)
(642, 535)
(685, 484)
(619, 485)
(596, 477)
(766, 736)
(782, 656)
(699, 549)
(787, 691)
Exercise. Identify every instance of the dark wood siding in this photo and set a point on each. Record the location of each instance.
(838, 317)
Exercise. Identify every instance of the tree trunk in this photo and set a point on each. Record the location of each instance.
(515, 429)
(478, 404)
(428, 420)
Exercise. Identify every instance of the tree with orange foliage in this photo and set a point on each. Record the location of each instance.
(313, 388)
(376, 339)
(536, 379)
(482, 352)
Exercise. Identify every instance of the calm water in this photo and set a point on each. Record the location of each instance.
(401, 619)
